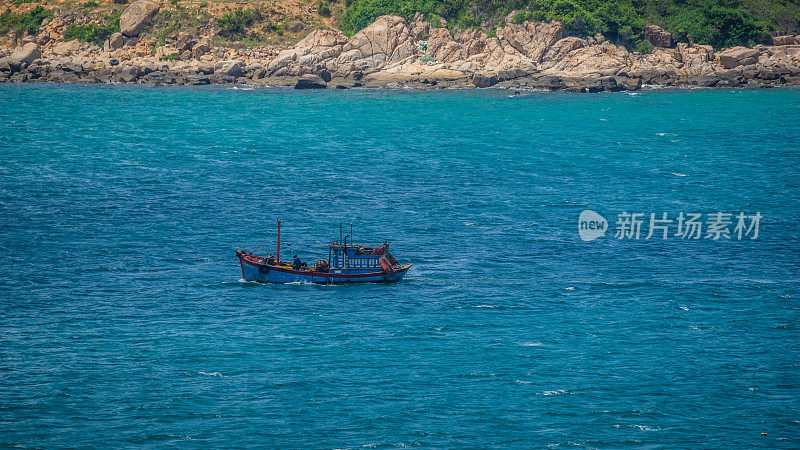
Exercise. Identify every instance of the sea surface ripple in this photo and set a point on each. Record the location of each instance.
(123, 320)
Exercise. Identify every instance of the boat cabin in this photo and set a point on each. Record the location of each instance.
(358, 258)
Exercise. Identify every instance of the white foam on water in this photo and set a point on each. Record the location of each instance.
(684, 308)
(646, 428)
(571, 288)
(210, 374)
(555, 392)
(522, 382)
(531, 344)
(678, 174)
(484, 306)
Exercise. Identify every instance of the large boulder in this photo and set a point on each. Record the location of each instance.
(129, 74)
(115, 42)
(784, 40)
(185, 42)
(24, 55)
(657, 36)
(201, 48)
(483, 80)
(137, 16)
(310, 81)
(738, 56)
(67, 48)
(233, 68)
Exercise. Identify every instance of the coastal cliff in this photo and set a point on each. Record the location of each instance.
(393, 52)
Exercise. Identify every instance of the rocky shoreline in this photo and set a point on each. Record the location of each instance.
(394, 53)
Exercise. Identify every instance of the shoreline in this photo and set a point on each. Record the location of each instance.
(391, 53)
(407, 87)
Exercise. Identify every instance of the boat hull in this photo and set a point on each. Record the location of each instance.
(252, 271)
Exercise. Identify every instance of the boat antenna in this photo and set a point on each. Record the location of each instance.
(278, 257)
(351, 232)
(259, 245)
(340, 232)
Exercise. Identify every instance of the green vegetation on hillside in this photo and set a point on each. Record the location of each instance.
(234, 24)
(92, 32)
(720, 23)
(28, 22)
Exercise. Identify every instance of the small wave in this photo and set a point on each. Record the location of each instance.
(571, 288)
(684, 308)
(661, 134)
(210, 374)
(522, 382)
(678, 174)
(645, 428)
(484, 306)
(531, 344)
(555, 392)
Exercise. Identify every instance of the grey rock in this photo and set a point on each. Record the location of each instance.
(551, 82)
(484, 80)
(115, 42)
(309, 81)
(129, 74)
(24, 56)
(185, 42)
(234, 68)
(325, 75)
(197, 79)
(259, 73)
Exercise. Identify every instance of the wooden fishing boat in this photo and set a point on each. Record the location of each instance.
(346, 263)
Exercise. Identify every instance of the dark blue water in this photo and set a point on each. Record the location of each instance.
(123, 321)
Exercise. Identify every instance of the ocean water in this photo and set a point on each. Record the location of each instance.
(124, 322)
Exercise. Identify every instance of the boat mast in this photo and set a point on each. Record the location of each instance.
(279, 239)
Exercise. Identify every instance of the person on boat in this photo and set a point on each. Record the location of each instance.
(271, 260)
(296, 264)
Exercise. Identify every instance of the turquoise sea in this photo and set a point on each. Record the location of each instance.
(124, 323)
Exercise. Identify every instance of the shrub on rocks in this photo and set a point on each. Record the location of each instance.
(20, 23)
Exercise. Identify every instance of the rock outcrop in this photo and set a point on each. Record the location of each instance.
(657, 36)
(391, 52)
(137, 16)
